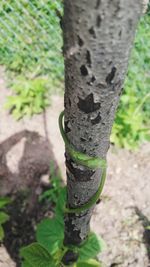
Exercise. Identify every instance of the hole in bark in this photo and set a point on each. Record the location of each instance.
(96, 120)
(67, 129)
(84, 70)
(82, 139)
(98, 21)
(98, 2)
(92, 32)
(87, 105)
(90, 139)
(111, 75)
(80, 41)
(80, 175)
(88, 58)
(92, 80)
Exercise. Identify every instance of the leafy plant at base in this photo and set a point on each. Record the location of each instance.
(53, 193)
(31, 97)
(89, 263)
(4, 217)
(49, 250)
(36, 255)
(50, 234)
(92, 246)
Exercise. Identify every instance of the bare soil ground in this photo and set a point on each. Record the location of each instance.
(123, 215)
(121, 218)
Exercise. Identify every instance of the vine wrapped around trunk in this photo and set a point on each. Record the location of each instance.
(98, 36)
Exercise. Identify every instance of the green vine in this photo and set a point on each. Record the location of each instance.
(87, 161)
(50, 251)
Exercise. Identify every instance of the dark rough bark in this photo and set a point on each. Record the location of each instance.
(98, 36)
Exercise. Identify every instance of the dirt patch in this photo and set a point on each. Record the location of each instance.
(24, 160)
(5, 260)
(27, 147)
(20, 229)
(34, 161)
(124, 212)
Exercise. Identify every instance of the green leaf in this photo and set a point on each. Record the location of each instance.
(50, 234)
(92, 246)
(4, 201)
(36, 256)
(1, 233)
(3, 217)
(26, 264)
(61, 202)
(89, 263)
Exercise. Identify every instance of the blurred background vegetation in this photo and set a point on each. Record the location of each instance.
(31, 52)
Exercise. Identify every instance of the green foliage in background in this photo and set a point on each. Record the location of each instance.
(132, 123)
(30, 49)
(4, 217)
(31, 97)
(49, 250)
(30, 42)
(55, 189)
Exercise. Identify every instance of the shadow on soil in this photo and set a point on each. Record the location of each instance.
(24, 187)
(146, 235)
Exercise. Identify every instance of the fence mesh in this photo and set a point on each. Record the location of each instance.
(30, 37)
(30, 50)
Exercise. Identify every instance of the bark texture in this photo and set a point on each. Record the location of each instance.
(98, 36)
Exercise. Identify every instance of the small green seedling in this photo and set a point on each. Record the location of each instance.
(49, 250)
(31, 97)
(53, 192)
(4, 217)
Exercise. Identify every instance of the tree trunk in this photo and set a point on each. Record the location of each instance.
(98, 36)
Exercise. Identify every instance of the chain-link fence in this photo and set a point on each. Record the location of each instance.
(30, 37)
(30, 50)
